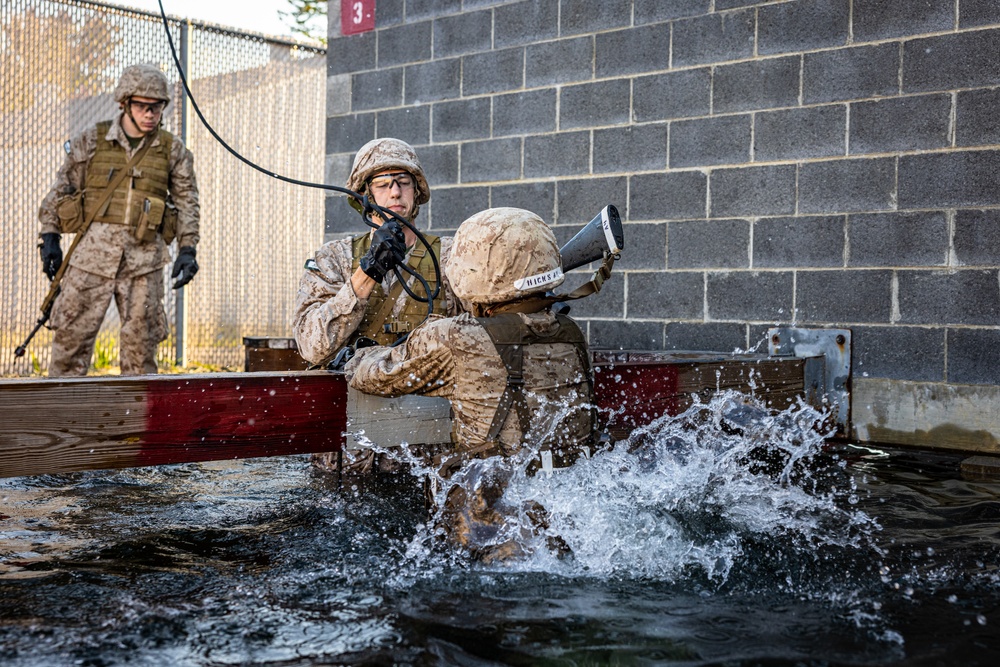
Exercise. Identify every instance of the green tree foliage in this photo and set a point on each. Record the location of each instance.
(29, 68)
(307, 18)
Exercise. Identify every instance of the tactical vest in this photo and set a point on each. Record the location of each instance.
(510, 335)
(378, 322)
(149, 179)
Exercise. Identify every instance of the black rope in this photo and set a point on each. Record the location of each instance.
(368, 204)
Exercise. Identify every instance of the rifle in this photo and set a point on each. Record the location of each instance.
(50, 298)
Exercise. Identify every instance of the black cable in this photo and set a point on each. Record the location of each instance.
(368, 205)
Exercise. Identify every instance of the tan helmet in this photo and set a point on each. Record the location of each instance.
(501, 255)
(387, 153)
(143, 80)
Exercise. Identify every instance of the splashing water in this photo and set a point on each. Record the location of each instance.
(681, 497)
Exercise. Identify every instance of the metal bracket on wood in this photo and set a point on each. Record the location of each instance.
(827, 383)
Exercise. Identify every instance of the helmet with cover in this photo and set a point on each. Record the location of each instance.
(381, 154)
(501, 255)
(142, 80)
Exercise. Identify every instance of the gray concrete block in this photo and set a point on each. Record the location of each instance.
(618, 335)
(354, 53)
(339, 218)
(973, 13)
(669, 196)
(424, 9)
(490, 160)
(594, 104)
(346, 134)
(493, 71)
(562, 61)
(459, 34)
(530, 112)
(710, 141)
(433, 81)
(754, 296)
(844, 298)
(609, 303)
(844, 186)
(757, 84)
(974, 356)
(520, 23)
(387, 13)
(539, 198)
(708, 244)
(645, 247)
(672, 95)
(944, 63)
(977, 122)
(654, 11)
(898, 239)
(377, 90)
(579, 200)
(412, 124)
(580, 16)
(850, 73)
(404, 44)
(713, 38)
(898, 353)
(562, 154)
(449, 207)
(440, 163)
(966, 296)
(630, 149)
(752, 191)
(901, 124)
(461, 120)
(793, 134)
(805, 25)
(800, 242)
(977, 237)
(725, 337)
(666, 295)
(632, 50)
(961, 178)
(875, 20)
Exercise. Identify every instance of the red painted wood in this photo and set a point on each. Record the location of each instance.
(633, 395)
(241, 417)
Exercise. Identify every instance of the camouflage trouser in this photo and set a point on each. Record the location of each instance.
(79, 311)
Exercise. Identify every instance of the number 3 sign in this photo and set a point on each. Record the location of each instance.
(356, 16)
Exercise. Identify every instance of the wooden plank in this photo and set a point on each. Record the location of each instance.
(635, 388)
(64, 425)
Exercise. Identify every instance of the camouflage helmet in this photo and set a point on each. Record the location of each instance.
(501, 255)
(387, 153)
(143, 80)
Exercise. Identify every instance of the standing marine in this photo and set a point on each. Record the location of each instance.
(134, 183)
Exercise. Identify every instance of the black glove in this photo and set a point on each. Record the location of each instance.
(388, 249)
(51, 254)
(185, 267)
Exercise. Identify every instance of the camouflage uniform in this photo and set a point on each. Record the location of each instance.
(499, 257)
(110, 262)
(328, 312)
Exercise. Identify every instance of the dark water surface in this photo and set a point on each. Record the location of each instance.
(687, 551)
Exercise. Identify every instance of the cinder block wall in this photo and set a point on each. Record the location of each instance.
(807, 162)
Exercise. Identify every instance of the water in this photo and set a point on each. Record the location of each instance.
(720, 537)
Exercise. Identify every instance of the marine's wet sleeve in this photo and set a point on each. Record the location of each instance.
(69, 179)
(327, 311)
(184, 192)
(423, 365)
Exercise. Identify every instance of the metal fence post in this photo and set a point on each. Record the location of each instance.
(180, 312)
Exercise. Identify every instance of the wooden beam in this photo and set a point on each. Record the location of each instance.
(64, 425)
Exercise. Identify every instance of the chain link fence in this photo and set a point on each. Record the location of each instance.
(59, 63)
